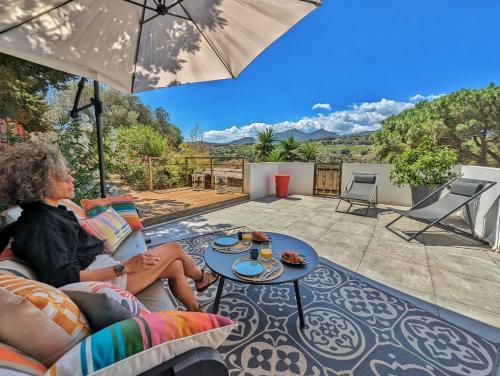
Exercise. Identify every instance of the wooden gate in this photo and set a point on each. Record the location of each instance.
(327, 179)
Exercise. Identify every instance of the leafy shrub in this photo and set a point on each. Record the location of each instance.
(426, 165)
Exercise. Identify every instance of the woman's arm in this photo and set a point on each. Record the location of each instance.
(138, 263)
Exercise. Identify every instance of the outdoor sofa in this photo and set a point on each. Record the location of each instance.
(201, 361)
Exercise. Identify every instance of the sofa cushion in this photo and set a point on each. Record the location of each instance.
(104, 303)
(155, 298)
(73, 207)
(108, 226)
(14, 363)
(124, 205)
(131, 246)
(135, 345)
(38, 319)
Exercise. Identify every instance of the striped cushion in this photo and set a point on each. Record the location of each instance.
(14, 363)
(108, 226)
(124, 205)
(75, 208)
(104, 303)
(164, 334)
(38, 319)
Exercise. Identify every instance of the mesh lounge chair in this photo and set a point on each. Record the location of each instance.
(361, 189)
(461, 193)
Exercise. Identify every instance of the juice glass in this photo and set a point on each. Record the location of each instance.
(265, 251)
(247, 238)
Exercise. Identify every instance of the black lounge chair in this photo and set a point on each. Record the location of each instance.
(361, 189)
(461, 193)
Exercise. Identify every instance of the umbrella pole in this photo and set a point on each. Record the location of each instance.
(97, 104)
(100, 145)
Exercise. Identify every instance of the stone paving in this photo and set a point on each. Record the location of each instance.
(450, 275)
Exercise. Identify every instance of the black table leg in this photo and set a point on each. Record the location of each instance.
(218, 295)
(299, 304)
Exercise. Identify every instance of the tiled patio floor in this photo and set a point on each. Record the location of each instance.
(450, 275)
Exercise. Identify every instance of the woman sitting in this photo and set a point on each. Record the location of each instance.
(36, 178)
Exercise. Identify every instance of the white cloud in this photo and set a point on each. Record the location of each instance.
(358, 117)
(419, 98)
(323, 106)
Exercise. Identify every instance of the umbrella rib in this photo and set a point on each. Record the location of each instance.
(209, 43)
(35, 17)
(140, 5)
(138, 45)
(311, 2)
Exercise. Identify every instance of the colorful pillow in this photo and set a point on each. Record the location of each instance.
(108, 226)
(38, 319)
(124, 205)
(104, 303)
(14, 363)
(75, 208)
(122, 345)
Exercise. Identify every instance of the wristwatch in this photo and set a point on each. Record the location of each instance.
(119, 269)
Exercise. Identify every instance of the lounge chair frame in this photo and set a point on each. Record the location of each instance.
(371, 202)
(437, 222)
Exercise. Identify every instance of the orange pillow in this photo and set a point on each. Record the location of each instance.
(123, 205)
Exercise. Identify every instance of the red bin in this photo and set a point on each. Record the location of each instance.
(281, 181)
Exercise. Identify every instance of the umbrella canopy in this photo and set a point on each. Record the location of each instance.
(141, 45)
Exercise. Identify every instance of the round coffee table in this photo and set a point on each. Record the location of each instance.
(222, 263)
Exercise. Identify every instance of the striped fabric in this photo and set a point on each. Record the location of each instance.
(39, 319)
(124, 205)
(14, 363)
(75, 208)
(108, 226)
(121, 345)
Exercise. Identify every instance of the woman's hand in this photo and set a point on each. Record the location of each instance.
(140, 262)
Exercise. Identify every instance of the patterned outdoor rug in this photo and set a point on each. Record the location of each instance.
(352, 328)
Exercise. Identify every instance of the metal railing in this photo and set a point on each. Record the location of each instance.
(181, 170)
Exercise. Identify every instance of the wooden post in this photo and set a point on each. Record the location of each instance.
(150, 166)
(186, 175)
(212, 180)
(242, 175)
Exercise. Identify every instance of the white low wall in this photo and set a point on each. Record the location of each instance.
(259, 182)
(486, 213)
(387, 192)
(259, 178)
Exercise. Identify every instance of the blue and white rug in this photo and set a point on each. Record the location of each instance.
(352, 328)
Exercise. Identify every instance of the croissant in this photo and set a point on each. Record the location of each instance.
(292, 257)
(260, 237)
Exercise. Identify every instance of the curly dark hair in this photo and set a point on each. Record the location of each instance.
(27, 171)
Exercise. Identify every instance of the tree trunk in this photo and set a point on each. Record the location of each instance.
(484, 150)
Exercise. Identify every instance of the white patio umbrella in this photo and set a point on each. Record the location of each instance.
(142, 45)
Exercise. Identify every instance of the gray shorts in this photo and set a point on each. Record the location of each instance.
(105, 261)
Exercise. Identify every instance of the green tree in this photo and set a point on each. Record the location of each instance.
(163, 125)
(309, 151)
(265, 143)
(290, 147)
(468, 121)
(23, 90)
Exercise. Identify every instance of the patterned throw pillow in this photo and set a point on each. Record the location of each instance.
(38, 319)
(104, 303)
(14, 363)
(124, 205)
(108, 226)
(120, 348)
(75, 208)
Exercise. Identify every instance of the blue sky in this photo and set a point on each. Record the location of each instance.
(362, 60)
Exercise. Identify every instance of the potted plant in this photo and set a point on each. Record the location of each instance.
(424, 168)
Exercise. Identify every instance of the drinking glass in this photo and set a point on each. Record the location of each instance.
(247, 238)
(265, 251)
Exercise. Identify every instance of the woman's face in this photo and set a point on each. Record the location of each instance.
(63, 186)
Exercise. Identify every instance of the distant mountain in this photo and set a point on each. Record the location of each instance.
(359, 134)
(303, 136)
(243, 141)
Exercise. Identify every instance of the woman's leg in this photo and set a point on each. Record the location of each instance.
(190, 269)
